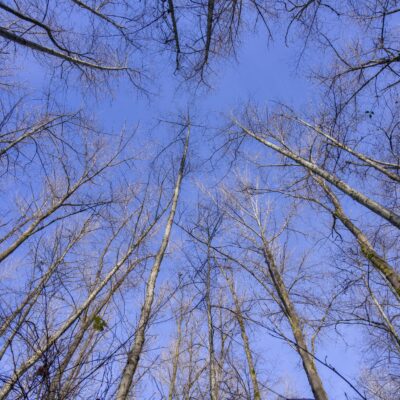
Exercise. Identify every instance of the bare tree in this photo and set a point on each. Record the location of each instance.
(300, 247)
(252, 218)
(243, 333)
(136, 349)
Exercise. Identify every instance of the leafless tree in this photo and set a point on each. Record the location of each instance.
(297, 244)
(137, 346)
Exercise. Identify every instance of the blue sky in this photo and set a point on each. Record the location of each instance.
(263, 73)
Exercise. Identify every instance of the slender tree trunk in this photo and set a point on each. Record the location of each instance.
(368, 251)
(25, 366)
(175, 360)
(295, 324)
(87, 321)
(175, 32)
(6, 34)
(29, 133)
(209, 30)
(375, 207)
(193, 376)
(43, 215)
(32, 296)
(386, 319)
(245, 338)
(67, 390)
(378, 165)
(210, 328)
(137, 347)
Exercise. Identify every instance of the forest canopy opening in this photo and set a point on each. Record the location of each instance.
(200, 199)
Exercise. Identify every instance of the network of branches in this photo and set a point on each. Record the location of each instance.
(213, 258)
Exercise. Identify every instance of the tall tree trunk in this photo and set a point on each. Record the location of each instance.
(368, 251)
(380, 166)
(87, 322)
(175, 359)
(33, 295)
(137, 347)
(245, 338)
(374, 206)
(211, 347)
(29, 363)
(295, 324)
